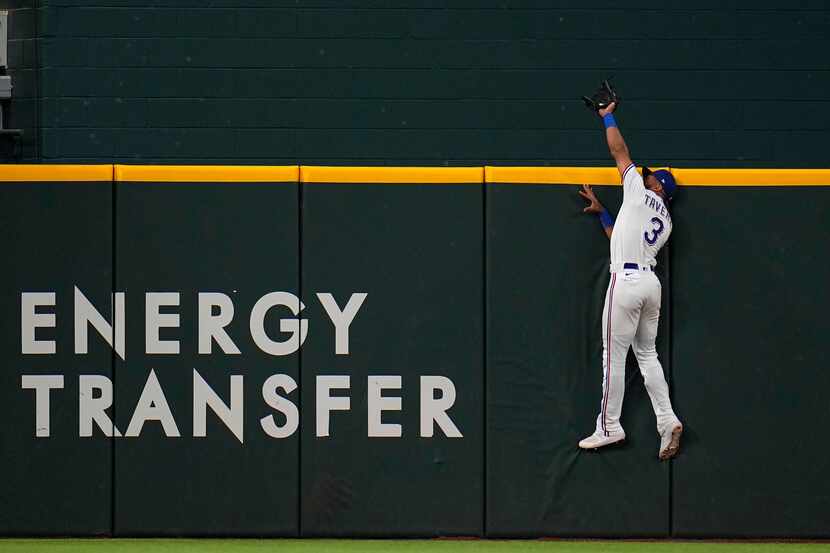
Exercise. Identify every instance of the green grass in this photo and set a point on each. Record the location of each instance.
(394, 546)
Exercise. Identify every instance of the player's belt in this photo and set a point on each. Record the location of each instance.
(637, 267)
(617, 267)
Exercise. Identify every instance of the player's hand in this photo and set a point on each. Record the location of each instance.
(588, 194)
(610, 109)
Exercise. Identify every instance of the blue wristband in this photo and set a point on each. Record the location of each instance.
(605, 217)
(609, 121)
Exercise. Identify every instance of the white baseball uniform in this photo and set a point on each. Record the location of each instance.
(632, 304)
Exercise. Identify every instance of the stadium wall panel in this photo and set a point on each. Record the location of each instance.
(411, 240)
(547, 275)
(749, 362)
(232, 231)
(56, 235)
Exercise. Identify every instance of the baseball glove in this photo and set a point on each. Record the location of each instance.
(601, 99)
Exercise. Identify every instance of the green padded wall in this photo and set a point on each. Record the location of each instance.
(240, 239)
(547, 275)
(499, 288)
(749, 360)
(416, 250)
(55, 236)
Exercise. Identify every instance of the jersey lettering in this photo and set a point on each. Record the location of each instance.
(643, 224)
(658, 225)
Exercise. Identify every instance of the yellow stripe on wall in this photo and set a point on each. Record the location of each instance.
(552, 175)
(752, 177)
(392, 175)
(207, 173)
(55, 173)
(685, 177)
(398, 175)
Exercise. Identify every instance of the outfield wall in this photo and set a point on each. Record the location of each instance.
(350, 351)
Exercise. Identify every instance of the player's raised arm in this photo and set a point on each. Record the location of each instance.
(616, 144)
(596, 208)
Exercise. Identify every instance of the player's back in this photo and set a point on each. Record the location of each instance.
(643, 224)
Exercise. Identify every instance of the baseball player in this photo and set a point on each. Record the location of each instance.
(632, 304)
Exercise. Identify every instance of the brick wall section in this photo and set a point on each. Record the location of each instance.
(22, 111)
(404, 82)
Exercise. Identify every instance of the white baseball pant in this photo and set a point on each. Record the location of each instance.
(630, 317)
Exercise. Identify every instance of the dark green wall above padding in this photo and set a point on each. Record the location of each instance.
(22, 58)
(403, 82)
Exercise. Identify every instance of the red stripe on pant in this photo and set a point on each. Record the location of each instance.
(608, 354)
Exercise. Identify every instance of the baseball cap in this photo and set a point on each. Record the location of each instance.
(665, 178)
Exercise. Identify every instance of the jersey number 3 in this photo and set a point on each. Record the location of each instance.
(655, 232)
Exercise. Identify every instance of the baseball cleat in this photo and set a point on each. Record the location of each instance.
(670, 442)
(595, 441)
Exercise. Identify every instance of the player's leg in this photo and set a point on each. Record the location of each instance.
(619, 324)
(619, 327)
(645, 349)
